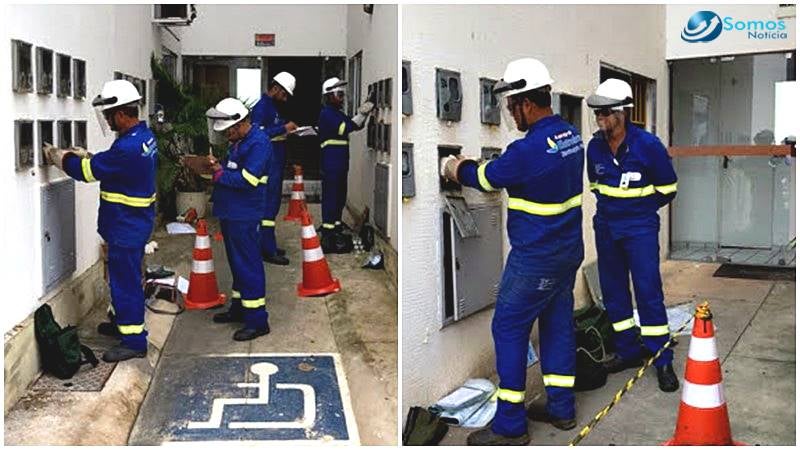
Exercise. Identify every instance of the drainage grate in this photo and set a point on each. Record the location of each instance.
(88, 378)
(756, 272)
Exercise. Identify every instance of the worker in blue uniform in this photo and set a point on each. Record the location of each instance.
(334, 129)
(240, 182)
(127, 176)
(542, 173)
(632, 177)
(265, 115)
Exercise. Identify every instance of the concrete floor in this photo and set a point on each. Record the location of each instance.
(359, 324)
(755, 330)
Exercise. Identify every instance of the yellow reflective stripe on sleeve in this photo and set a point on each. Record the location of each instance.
(254, 303)
(593, 186)
(267, 223)
(655, 330)
(86, 167)
(566, 381)
(236, 294)
(623, 325)
(252, 179)
(136, 202)
(482, 178)
(510, 396)
(342, 129)
(333, 142)
(667, 188)
(131, 329)
(543, 209)
(280, 138)
(611, 191)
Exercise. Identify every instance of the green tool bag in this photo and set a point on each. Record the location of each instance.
(61, 351)
(593, 331)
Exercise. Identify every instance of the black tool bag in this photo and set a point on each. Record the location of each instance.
(593, 341)
(423, 427)
(61, 351)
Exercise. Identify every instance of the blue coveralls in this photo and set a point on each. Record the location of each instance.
(127, 175)
(542, 174)
(334, 129)
(630, 188)
(265, 115)
(239, 197)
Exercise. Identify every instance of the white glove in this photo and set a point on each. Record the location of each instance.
(359, 119)
(366, 107)
(450, 164)
(80, 151)
(55, 155)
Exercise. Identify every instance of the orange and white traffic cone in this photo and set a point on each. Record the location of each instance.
(298, 201)
(703, 414)
(203, 292)
(317, 278)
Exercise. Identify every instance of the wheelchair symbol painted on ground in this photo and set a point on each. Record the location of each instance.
(262, 370)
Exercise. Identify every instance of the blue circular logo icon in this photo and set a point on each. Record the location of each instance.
(703, 26)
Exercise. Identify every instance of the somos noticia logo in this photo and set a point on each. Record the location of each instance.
(705, 26)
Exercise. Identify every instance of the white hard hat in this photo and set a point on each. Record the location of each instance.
(612, 93)
(116, 93)
(228, 112)
(332, 85)
(522, 75)
(286, 81)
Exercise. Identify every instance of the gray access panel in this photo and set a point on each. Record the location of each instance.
(448, 95)
(381, 200)
(408, 104)
(409, 188)
(58, 232)
(490, 108)
(479, 262)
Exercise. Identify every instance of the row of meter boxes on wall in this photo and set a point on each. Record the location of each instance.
(379, 126)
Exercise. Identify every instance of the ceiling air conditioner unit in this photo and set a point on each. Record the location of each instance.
(174, 14)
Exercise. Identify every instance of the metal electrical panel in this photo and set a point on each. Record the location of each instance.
(381, 200)
(407, 161)
(472, 266)
(490, 153)
(79, 76)
(448, 95)
(379, 137)
(45, 135)
(408, 104)
(23, 144)
(64, 134)
(371, 126)
(44, 71)
(21, 66)
(79, 136)
(490, 108)
(64, 65)
(379, 94)
(444, 151)
(387, 93)
(58, 232)
(569, 107)
(387, 137)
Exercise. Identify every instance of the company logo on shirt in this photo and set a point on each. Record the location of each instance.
(553, 146)
(705, 26)
(599, 169)
(149, 147)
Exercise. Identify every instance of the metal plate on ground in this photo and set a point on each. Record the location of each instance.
(280, 398)
(87, 379)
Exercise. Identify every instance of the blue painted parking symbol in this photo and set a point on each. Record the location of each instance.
(264, 397)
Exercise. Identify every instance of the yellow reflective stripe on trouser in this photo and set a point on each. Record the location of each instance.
(655, 330)
(131, 329)
(254, 303)
(543, 209)
(510, 396)
(280, 138)
(252, 179)
(328, 226)
(267, 223)
(667, 188)
(86, 167)
(136, 202)
(236, 294)
(342, 129)
(611, 191)
(482, 177)
(566, 381)
(333, 142)
(623, 325)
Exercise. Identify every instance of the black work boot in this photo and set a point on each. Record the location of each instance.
(617, 364)
(328, 241)
(120, 353)
(538, 413)
(108, 329)
(343, 241)
(247, 334)
(667, 381)
(277, 259)
(485, 436)
(281, 252)
(229, 316)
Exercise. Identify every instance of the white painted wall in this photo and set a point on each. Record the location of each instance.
(376, 36)
(300, 30)
(478, 41)
(729, 42)
(108, 38)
